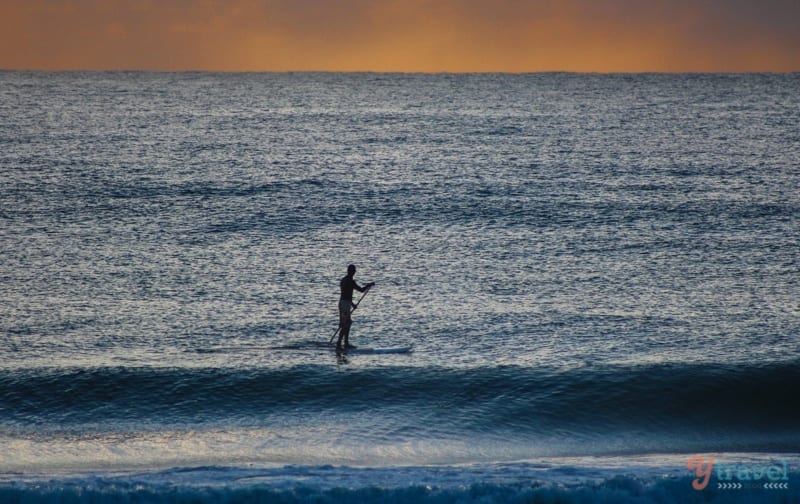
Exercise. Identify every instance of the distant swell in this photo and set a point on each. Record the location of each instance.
(717, 399)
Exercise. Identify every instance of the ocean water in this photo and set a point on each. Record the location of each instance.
(599, 274)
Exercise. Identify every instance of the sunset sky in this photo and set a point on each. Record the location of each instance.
(402, 35)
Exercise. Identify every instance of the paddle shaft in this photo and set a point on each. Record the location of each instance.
(351, 311)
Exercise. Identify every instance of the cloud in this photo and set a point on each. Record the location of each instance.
(401, 35)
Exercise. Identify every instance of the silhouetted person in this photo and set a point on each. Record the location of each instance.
(347, 284)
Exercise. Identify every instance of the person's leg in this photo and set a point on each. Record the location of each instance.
(346, 331)
(341, 335)
(344, 315)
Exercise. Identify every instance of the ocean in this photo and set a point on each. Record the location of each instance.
(599, 275)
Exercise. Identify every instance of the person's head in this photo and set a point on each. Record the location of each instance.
(351, 270)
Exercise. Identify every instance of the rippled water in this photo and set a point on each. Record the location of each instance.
(585, 265)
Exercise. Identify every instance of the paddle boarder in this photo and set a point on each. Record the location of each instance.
(346, 306)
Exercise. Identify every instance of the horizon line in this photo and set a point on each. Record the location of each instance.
(408, 72)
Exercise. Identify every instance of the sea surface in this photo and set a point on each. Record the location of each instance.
(599, 275)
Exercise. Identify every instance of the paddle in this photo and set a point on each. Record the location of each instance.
(351, 311)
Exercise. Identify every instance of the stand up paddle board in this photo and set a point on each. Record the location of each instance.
(378, 350)
(312, 346)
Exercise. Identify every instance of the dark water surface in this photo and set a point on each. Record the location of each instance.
(600, 266)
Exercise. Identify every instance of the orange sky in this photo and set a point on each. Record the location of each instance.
(402, 35)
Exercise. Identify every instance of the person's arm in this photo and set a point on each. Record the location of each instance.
(362, 289)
